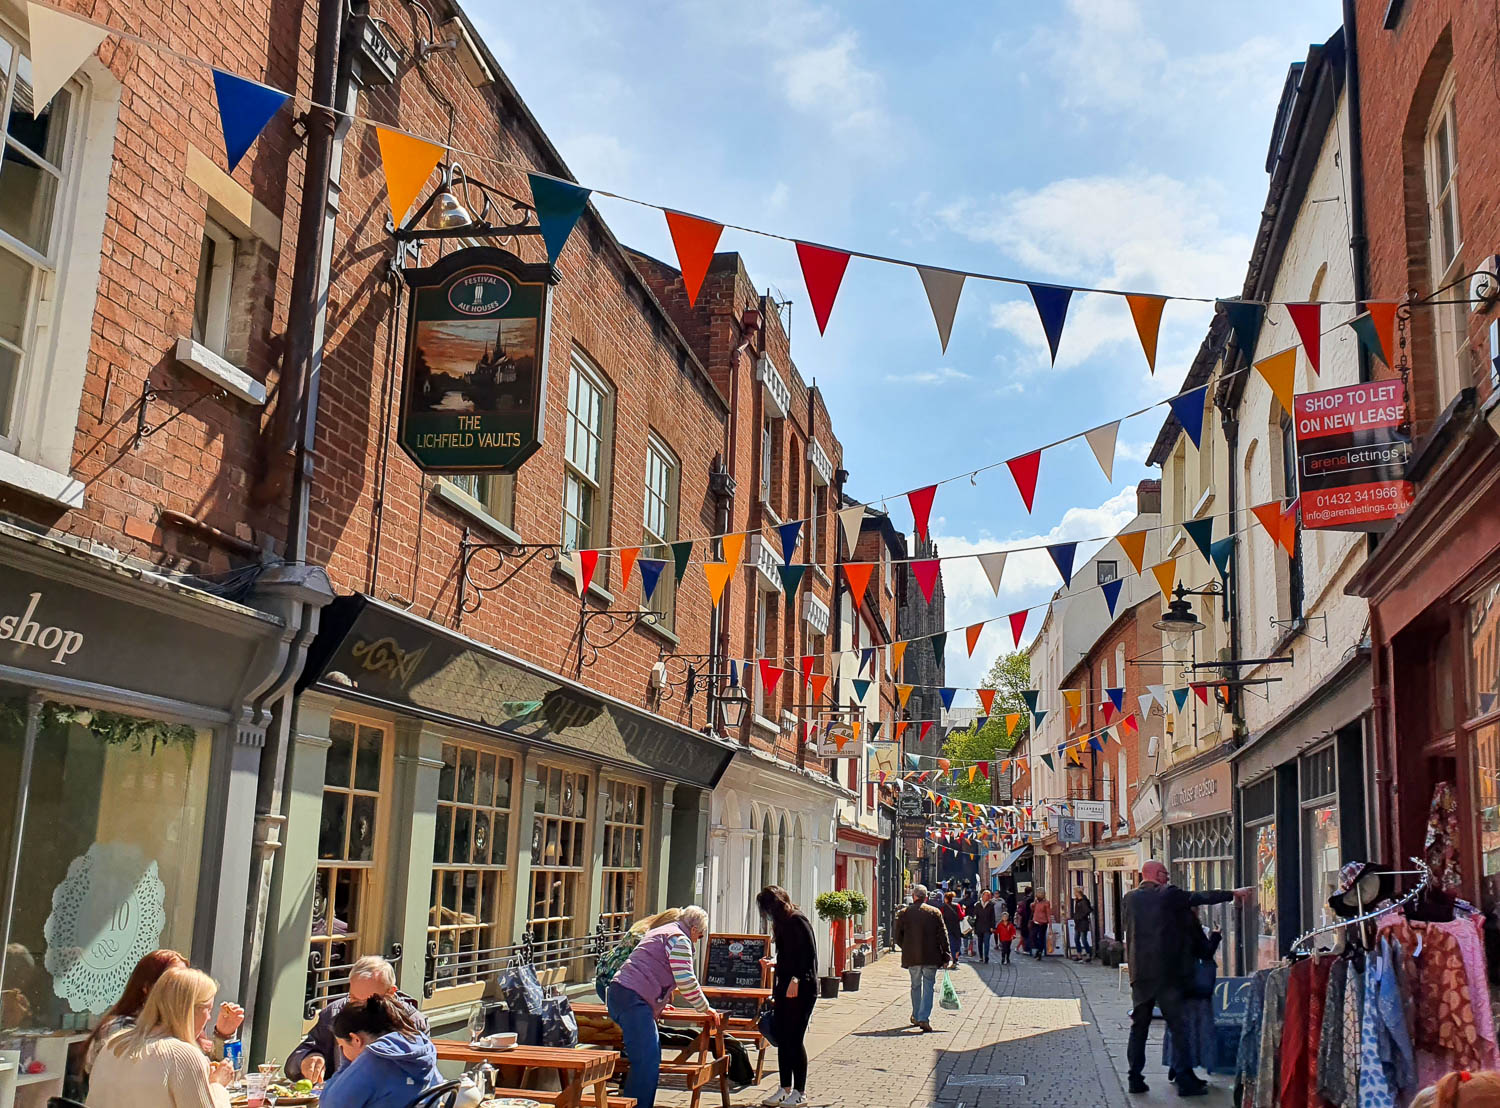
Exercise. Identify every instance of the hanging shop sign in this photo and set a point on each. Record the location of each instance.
(1351, 456)
(475, 387)
(838, 741)
(1086, 811)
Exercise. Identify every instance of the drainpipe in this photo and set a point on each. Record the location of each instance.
(1359, 254)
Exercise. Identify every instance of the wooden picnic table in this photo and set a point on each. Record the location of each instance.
(577, 1070)
(697, 1064)
(741, 1024)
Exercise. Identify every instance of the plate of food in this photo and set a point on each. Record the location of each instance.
(286, 1093)
(495, 1043)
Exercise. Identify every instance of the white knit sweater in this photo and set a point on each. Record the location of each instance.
(165, 1073)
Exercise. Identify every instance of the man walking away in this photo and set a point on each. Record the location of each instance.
(984, 923)
(923, 938)
(1083, 922)
(1023, 922)
(1041, 919)
(1159, 947)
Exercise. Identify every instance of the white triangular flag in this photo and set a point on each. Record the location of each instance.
(1146, 700)
(1101, 441)
(575, 563)
(1159, 694)
(943, 288)
(60, 43)
(994, 566)
(849, 520)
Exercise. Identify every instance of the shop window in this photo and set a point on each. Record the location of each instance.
(470, 856)
(663, 479)
(108, 864)
(346, 913)
(1202, 854)
(1483, 623)
(767, 853)
(1487, 763)
(586, 462)
(625, 808)
(1321, 852)
(1445, 239)
(559, 854)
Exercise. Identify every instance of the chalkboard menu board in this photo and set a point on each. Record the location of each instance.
(734, 960)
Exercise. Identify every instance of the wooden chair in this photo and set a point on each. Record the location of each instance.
(439, 1096)
(694, 1068)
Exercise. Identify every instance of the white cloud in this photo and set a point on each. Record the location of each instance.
(940, 376)
(1134, 451)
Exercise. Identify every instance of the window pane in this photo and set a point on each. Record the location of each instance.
(484, 789)
(502, 785)
(444, 832)
(28, 189)
(367, 764)
(481, 838)
(362, 828)
(448, 773)
(331, 826)
(466, 763)
(340, 754)
(10, 375)
(463, 819)
(500, 854)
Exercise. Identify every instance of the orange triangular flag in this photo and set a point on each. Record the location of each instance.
(819, 683)
(898, 651)
(1146, 311)
(972, 771)
(1166, 576)
(1269, 515)
(973, 635)
(734, 546)
(718, 574)
(1280, 372)
(1289, 528)
(944, 764)
(627, 563)
(694, 240)
(1134, 545)
(858, 576)
(1383, 315)
(1011, 719)
(987, 698)
(903, 694)
(407, 163)
(901, 726)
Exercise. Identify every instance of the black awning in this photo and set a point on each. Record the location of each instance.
(369, 651)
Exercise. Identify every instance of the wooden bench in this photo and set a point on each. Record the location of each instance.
(694, 1068)
(543, 1096)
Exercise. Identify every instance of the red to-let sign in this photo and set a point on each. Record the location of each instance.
(1352, 456)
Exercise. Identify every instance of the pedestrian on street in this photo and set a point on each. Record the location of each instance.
(794, 989)
(984, 923)
(1023, 921)
(922, 934)
(1009, 896)
(1005, 934)
(953, 920)
(971, 906)
(1041, 919)
(1159, 947)
(1083, 918)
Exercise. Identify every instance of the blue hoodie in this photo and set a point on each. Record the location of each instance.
(389, 1073)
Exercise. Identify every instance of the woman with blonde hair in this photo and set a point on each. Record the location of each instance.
(1461, 1089)
(610, 964)
(158, 1061)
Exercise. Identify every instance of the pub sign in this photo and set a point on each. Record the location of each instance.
(474, 393)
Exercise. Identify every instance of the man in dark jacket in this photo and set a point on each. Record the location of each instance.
(985, 919)
(318, 1056)
(1159, 947)
(1022, 920)
(923, 938)
(1083, 923)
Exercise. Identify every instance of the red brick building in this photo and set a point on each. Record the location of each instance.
(1427, 108)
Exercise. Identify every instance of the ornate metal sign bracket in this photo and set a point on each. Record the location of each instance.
(476, 580)
(617, 623)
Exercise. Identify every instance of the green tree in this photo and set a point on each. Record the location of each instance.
(1009, 676)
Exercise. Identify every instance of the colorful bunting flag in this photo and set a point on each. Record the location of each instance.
(789, 533)
(984, 770)
(858, 576)
(718, 575)
(1031, 696)
(1111, 591)
(1062, 554)
(946, 695)
(972, 771)
(1382, 326)
(972, 634)
(1289, 527)
(1023, 471)
(1201, 531)
(1018, 625)
(898, 652)
(993, 566)
(987, 699)
(861, 688)
(819, 683)
(920, 501)
(867, 659)
(1133, 543)
(925, 570)
(808, 661)
(59, 44)
(1220, 553)
(1052, 308)
(903, 694)
(913, 761)
(245, 107)
(939, 641)
(850, 520)
(559, 205)
(769, 676)
(791, 580)
(1166, 576)
(1116, 697)
(585, 562)
(1188, 408)
(1146, 311)
(822, 272)
(1270, 516)
(650, 575)
(695, 241)
(1047, 758)
(407, 163)
(922, 734)
(1101, 441)
(1245, 318)
(901, 725)
(1201, 692)
(627, 558)
(1308, 319)
(681, 552)
(943, 290)
(1280, 372)
(1181, 697)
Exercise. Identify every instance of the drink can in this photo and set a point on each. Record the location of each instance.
(234, 1054)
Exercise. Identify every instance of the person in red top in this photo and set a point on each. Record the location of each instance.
(1041, 917)
(1005, 934)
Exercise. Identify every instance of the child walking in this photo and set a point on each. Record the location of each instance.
(1005, 934)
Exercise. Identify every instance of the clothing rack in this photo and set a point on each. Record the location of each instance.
(1421, 871)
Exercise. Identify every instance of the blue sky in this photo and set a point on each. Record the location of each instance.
(1110, 143)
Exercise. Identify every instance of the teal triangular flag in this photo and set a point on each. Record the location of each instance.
(861, 688)
(1369, 337)
(913, 761)
(245, 107)
(1030, 696)
(1201, 531)
(681, 552)
(875, 730)
(1245, 318)
(791, 580)
(1048, 759)
(939, 641)
(1181, 696)
(1220, 553)
(559, 204)
(1038, 717)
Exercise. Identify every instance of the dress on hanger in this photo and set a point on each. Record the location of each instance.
(1354, 1011)
(1330, 1066)
(1268, 1069)
(1375, 1090)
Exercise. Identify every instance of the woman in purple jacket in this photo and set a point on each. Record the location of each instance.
(660, 963)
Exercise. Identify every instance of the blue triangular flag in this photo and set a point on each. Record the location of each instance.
(1117, 697)
(1030, 696)
(559, 204)
(734, 669)
(1201, 531)
(939, 641)
(650, 574)
(861, 688)
(913, 761)
(1062, 557)
(867, 658)
(1188, 408)
(789, 533)
(1111, 590)
(1180, 695)
(791, 580)
(1220, 553)
(947, 697)
(1038, 717)
(245, 107)
(1245, 318)
(1052, 306)
(981, 723)
(1095, 744)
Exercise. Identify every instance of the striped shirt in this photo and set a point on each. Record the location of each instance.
(680, 958)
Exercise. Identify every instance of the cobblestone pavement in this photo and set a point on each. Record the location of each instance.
(1032, 1033)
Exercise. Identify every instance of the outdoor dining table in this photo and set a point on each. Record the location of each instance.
(576, 1069)
(701, 1061)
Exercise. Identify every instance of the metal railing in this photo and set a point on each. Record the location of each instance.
(323, 986)
(460, 967)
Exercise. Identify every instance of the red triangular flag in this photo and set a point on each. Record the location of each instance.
(858, 576)
(1024, 470)
(627, 562)
(1201, 691)
(972, 634)
(807, 664)
(1130, 724)
(769, 675)
(1308, 319)
(588, 561)
(1107, 708)
(1018, 625)
(901, 726)
(926, 572)
(822, 272)
(1383, 315)
(987, 698)
(695, 240)
(984, 771)
(921, 507)
(1289, 528)
(926, 727)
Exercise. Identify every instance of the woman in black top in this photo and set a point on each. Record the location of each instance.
(951, 918)
(793, 991)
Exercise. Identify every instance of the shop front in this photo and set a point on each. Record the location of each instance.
(1302, 802)
(855, 860)
(888, 878)
(1115, 873)
(1200, 837)
(132, 720)
(453, 807)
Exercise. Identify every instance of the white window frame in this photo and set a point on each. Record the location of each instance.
(810, 546)
(582, 429)
(767, 444)
(660, 457)
(1450, 323)
(36, 451)
(220, 289)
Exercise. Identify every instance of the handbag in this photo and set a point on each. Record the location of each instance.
(766, 1022)
(965, 927)
(559, 1026)
(1202, 984)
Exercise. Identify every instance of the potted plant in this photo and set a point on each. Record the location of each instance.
(859, 904)
(833, 906)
